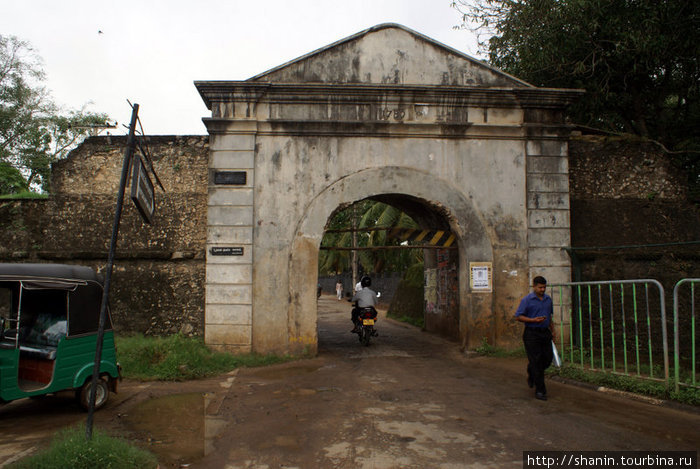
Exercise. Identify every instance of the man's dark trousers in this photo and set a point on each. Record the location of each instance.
(538, 345)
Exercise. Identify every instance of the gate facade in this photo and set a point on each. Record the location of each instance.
(394, 116)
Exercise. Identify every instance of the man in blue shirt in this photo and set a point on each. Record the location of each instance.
(536, 310)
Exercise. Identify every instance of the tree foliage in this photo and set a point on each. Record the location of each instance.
(34, 131)
(638, 60)
(370, 215)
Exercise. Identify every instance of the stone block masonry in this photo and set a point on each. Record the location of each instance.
(229, 244)
(159, 274)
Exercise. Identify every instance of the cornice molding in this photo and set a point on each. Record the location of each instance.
(314, 93)
(380, 129)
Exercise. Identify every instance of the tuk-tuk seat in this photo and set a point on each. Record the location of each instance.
(46, 352)
(6, 344)
(41, 339)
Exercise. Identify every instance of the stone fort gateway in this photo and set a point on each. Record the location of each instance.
(385, 115)
(393, 116)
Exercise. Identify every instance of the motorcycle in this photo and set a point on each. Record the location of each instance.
(365, 325)
(366, 319)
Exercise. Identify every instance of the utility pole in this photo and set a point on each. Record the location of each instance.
(354, 247)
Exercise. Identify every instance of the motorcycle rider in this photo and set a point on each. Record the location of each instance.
(364, 298)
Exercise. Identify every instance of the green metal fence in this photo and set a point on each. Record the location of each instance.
(614, 326)
(684, 333)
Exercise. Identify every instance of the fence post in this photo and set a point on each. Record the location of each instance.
(576, 289)
(676, 334)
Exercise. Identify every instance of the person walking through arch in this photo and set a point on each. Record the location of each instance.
(339, 289)
(536, 310)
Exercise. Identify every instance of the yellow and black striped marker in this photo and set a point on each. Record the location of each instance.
(426, 237)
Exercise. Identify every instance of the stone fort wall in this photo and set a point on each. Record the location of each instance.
(629, 193)
(158, 277)
(622, 192)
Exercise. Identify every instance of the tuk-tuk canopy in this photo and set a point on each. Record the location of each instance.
(45, 287)
(47, 272)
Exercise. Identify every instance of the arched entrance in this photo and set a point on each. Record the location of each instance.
(421, 193)
(391, 115)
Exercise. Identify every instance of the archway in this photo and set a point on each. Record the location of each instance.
(426, 196)
(436, 129)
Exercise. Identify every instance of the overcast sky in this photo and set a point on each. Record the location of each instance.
(151, 51)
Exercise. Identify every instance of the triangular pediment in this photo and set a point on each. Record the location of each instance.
(389, 54)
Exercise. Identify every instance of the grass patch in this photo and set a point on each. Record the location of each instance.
(657, 389)
(70, 449)
(179, 358)
(418, 322)
(24, 195)
(488, 350)
(647, 387)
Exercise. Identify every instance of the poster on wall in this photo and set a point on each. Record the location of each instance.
(431, 297)
(480, 276)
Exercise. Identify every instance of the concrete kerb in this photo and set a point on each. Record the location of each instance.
(628, 395)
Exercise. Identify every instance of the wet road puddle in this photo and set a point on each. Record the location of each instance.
(283, 372)
(178, 428)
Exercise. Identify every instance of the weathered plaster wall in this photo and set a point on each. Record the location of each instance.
(442, 292)
(386, 54)
(321, 166)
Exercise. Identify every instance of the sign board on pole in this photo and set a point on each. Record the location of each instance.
(142, 192)
(128, 153)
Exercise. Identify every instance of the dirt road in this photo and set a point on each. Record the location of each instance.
(409, 400)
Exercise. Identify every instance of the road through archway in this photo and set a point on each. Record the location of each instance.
(410, 400)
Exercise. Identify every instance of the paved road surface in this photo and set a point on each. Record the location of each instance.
(409, 400)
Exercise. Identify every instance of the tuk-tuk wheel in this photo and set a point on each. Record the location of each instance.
(101, 394)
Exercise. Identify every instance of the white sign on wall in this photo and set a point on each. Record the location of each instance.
(480, 276)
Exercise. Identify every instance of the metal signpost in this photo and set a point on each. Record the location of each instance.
(143, 196)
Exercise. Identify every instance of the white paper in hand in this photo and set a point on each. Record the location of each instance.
(556, 360)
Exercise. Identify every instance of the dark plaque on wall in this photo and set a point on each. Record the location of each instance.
(235, 178)
(226, 251)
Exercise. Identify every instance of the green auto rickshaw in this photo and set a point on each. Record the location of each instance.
(49, 315)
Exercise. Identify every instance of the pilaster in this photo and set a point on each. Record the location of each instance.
(230, 213)
(548, 214)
